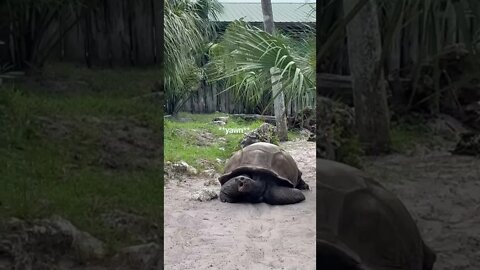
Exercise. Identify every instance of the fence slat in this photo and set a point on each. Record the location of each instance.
(207, 100)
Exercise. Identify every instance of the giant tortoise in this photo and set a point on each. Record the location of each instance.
(361, 225)
(262, 172)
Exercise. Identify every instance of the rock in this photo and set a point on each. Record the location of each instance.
(210, 173)
(469, 144)
(335, 127)
(140, 257)
(220, 123)
(305, 119)
(191, 170)
(265, 133)
(305, 134)
(85, 246)
(221, 119)
(184, 167)
(212, 182)
(205, 194)
(45, 243)
(219, 160)
(472, 115)
(447, 127)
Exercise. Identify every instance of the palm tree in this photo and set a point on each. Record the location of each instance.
(187, 31)
(245, 55)
(279, 97)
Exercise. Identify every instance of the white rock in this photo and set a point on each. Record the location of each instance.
(220, 123)
(184, 167)
(205, 194)
(85, 245)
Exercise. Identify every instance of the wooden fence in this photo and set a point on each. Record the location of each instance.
(211, 98)
(118, 32)
(115, 33)
(130, 32)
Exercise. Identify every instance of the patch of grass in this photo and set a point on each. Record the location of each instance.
(182, 136)
(42, 175)
(350, 152)
(182, 139)
(406, 136)
(107, 82)
(294, 135)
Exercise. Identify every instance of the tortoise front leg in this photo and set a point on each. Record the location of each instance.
(302, 185)
(278, 195)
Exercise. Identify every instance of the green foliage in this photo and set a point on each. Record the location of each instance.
(410, 131)
(245, 56)
(187, 30)
(349, 149)
(434, 26)
(440, 24)
(275, 139)
(33, 27)
(350, 152)
(4, 68)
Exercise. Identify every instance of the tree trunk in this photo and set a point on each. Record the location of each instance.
(279, 105)
(279, 100)
(364, 51)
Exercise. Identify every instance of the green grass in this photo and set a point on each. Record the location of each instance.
(41, 175)
(181, 139)
(406, 135)
(115, 82)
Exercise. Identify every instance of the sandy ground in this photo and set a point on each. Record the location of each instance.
(442, 192)
(216, 235)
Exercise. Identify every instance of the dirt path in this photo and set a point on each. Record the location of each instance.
(443, 194)
(215, 235)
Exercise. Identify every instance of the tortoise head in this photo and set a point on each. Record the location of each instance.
(242, 188)
(245, 184)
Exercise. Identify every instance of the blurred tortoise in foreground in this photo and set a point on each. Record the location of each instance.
(361, 225)
(262, 172)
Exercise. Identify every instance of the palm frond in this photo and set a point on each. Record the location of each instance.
(186, 31)
(246, 55)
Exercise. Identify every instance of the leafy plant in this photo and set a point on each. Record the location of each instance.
(244, 57)
(4, 68)
(187, 30)
(39, 25)
(431, 28)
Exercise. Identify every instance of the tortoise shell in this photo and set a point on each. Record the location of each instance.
(365, 222)
(266, 158)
